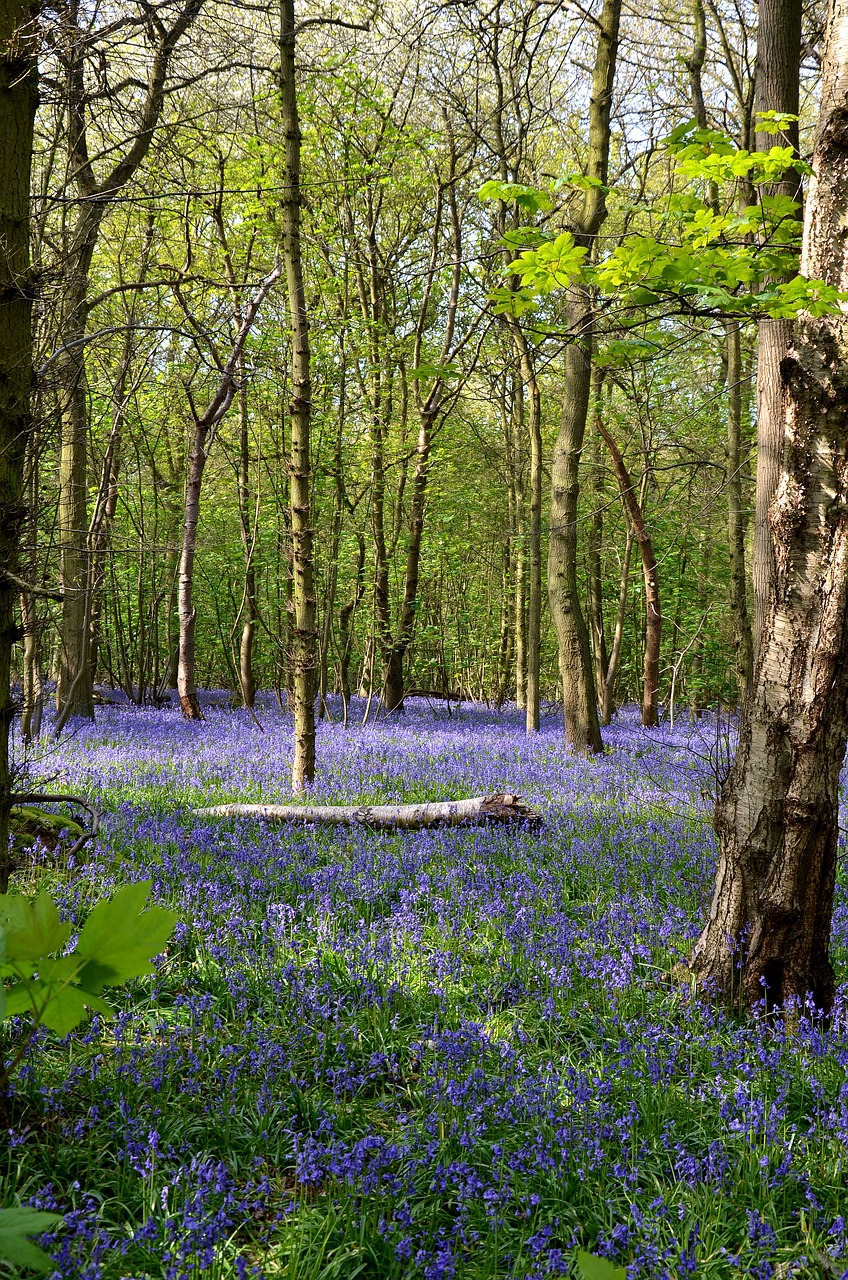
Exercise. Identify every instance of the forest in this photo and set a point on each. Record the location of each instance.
(423, 639)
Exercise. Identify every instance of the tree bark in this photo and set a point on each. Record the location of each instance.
(304, 648)
(409, 817)
(777, 815)
(580, 709)
(18, 93)
(777, 89)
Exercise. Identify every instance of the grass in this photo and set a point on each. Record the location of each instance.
(436, 1055)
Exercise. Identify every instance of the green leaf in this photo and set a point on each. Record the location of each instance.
(591, 1267)
(15, 1226)
(119, 938)
(59, 1008)
(33, 928)
(529, 198)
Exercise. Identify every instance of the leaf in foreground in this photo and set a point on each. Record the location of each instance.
(15, 1226)
(591, 1267)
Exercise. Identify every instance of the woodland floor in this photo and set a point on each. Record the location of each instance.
(431, 1054)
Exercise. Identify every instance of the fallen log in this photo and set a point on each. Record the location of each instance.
(407, 817)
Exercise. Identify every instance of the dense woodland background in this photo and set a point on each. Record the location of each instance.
(148, 256)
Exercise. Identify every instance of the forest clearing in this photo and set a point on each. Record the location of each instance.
(448, 1053)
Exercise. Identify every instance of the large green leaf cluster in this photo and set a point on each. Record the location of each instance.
(722, 244)
(58, 987)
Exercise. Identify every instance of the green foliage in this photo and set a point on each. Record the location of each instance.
(115, 944)
(591, 1267)
(15, 1226)
(708, 256)
(57, 991)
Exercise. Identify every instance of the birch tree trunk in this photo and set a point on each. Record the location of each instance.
(580, 707)
(18, 95)
(304, 648)
(776, 817)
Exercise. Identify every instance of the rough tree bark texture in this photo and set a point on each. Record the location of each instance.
(651, 573)
(777, 814)
(580, 709)
(778, 73)
(304, 649)
(18, 88)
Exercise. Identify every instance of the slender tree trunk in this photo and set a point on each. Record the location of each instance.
(186, 686)
(74, 688)
(105, 508)
(33, 681)
(579, 697)
(520, 543)
(614, 663)
(393, 678)
(250, 614)
(580, 709)
(650, 571)
(777, 815)
(736, 517)
(304, 656)
(595, 582)
(778, 75)
(534, 565)
(18, 92)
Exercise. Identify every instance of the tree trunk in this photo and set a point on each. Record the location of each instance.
(33, 681)
(777, 815)
(595, 579)
(18, 91)
(186, 686)
(736, 518)
(650, 571)
(74, 692)
(778, 74)
(304, 655)
(579, 696)
(611, 678)
(105, 507)
(534, 595)
(580, 710)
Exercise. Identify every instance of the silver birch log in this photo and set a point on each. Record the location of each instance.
(408, 817)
